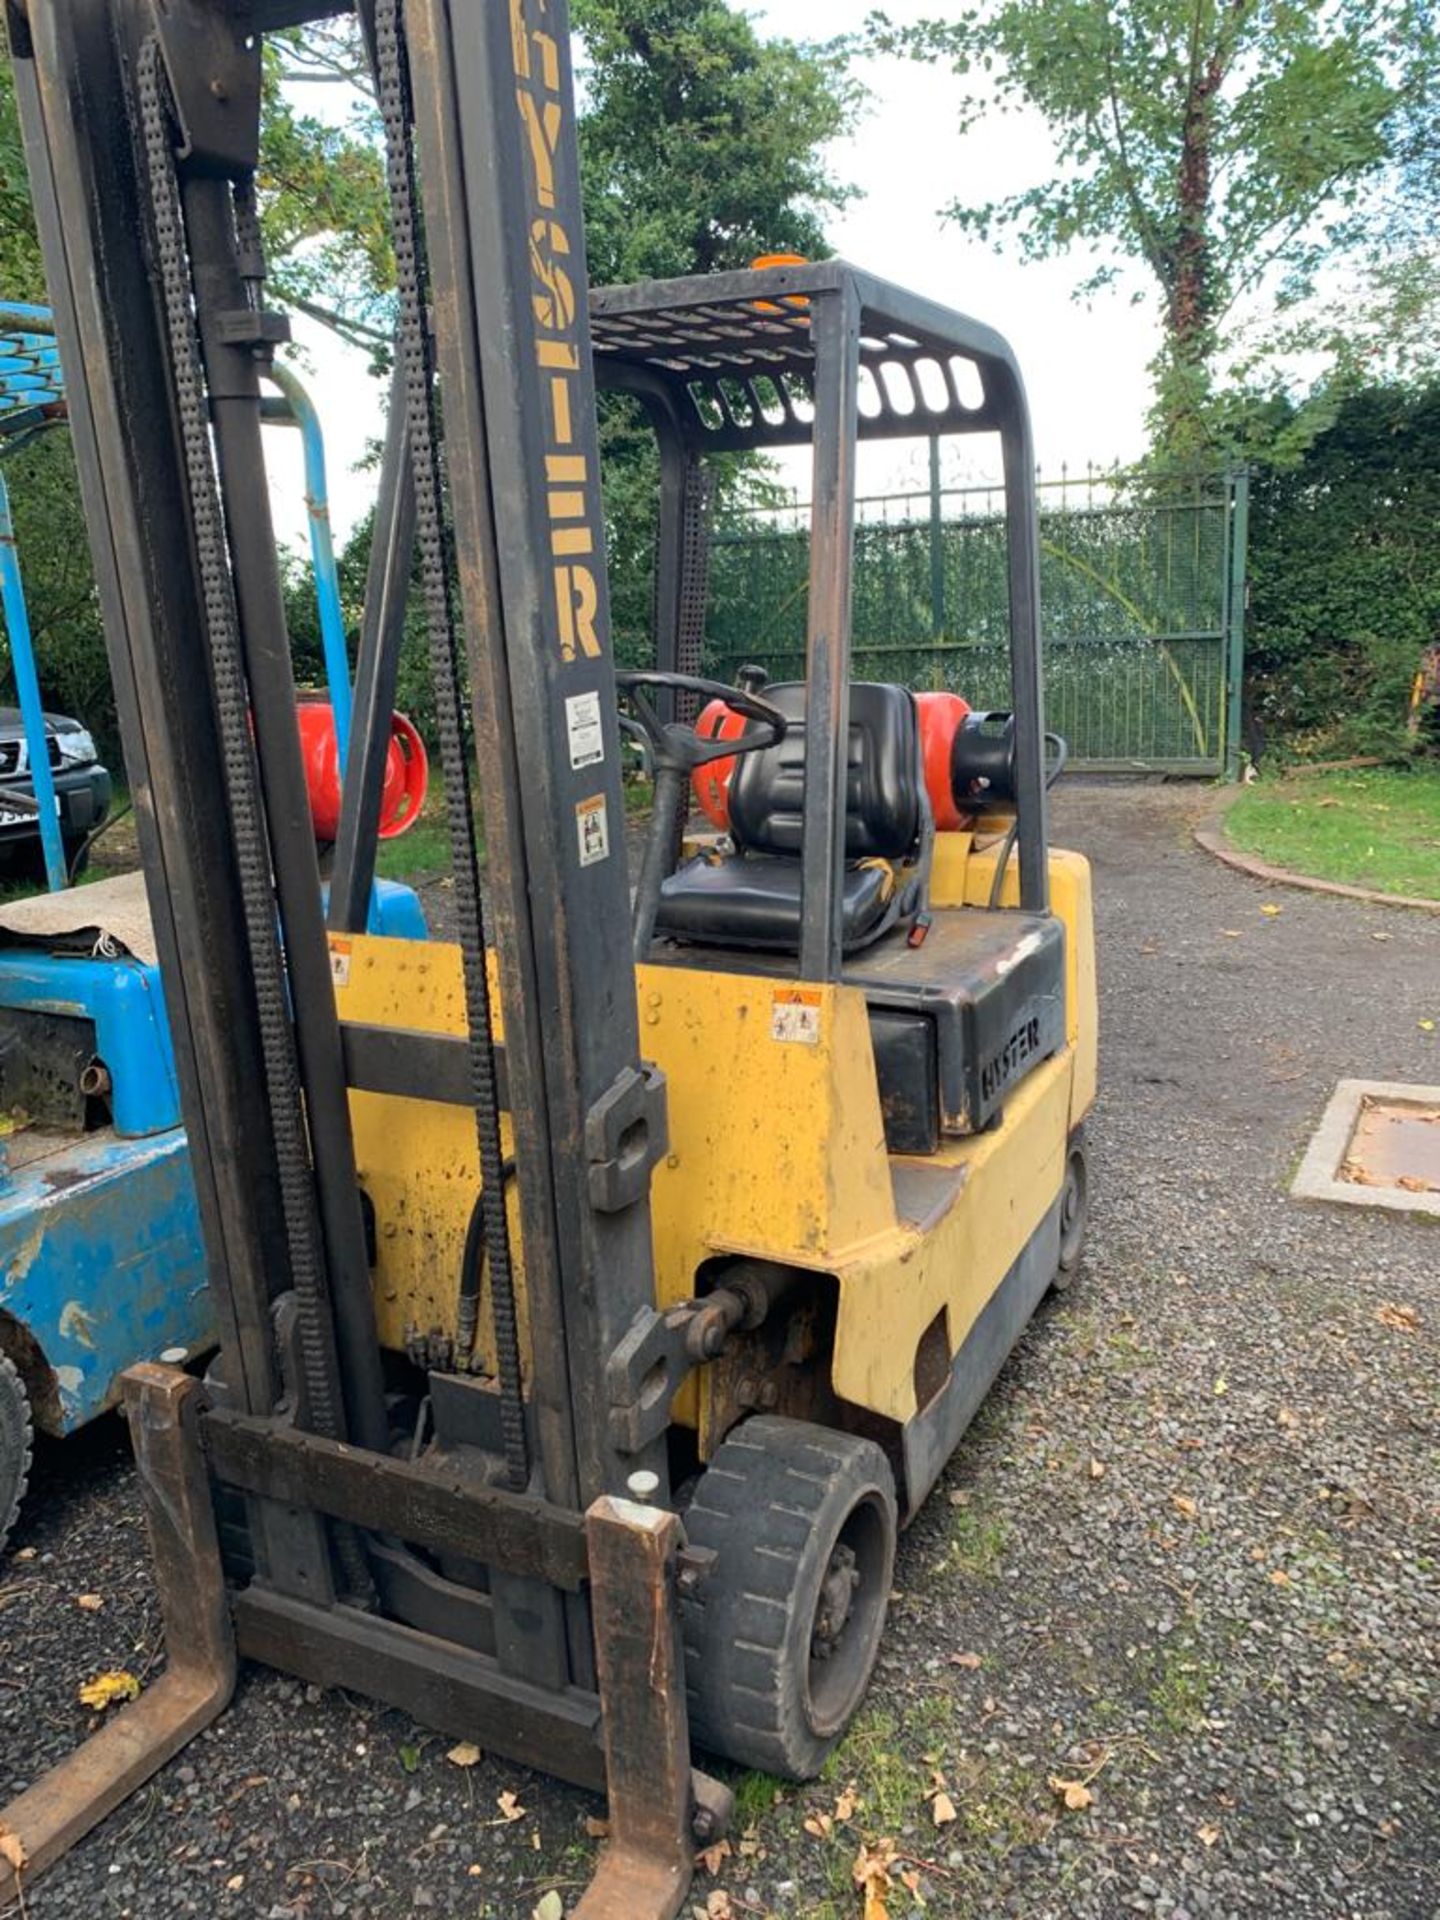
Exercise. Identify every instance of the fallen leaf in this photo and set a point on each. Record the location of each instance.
(846, 1804)
(968, 1660)
(597, 1829)
(550, 1907)
(235, 1883)
(1075, 1794)
(106, 1688)
(466, 1754)
(1270, 909)
(1381, 936)
(872, 1875)
(819, 1826)
(1426, 1026)
(1279, 1578)
(1222, 1386)
(711, 1858)
(942, 1810)
(89, 1602)
(12, 1848)
(26, 1553)
(1231, 933)
(410, 1757)
(1401, 1319)
(510, 1807)
(1288, 1417)
(910, 1880)
(1207, 1835)
(1182, 1503)
(1097, 1469)
(718, 1906)
(959, 1497)
(1412, 1183)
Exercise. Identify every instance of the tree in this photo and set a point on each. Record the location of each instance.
(701, 145)
(1219, 144)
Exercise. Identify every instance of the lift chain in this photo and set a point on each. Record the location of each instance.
(393, 90)
(277, 1040)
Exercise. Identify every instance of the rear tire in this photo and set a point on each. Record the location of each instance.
(1074, 1212)
(781, 1637)
(17, 1435)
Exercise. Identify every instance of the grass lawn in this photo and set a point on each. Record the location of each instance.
(1372, 827)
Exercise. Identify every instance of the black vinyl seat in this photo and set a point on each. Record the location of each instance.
(751, 898)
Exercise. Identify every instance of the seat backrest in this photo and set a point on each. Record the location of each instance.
(882, 781)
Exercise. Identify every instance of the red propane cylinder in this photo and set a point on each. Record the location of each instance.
(940, 717)
(407, 772)
(711, 784)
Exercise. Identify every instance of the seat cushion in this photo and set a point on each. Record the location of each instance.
(882, 778)
(755, 902)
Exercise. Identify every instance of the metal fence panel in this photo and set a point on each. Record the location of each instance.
(1142, 598)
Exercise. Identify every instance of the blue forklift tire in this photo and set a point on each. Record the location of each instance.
(17, 1434)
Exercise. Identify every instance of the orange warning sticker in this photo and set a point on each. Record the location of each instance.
(339, 962)
(795, 1015)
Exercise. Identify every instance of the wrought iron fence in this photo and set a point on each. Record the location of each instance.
(1142, 606)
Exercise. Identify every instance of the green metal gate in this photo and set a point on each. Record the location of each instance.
(1142, 607)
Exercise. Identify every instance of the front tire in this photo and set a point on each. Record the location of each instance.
(781, 1638)
(17, 1434)
(1074, 1212)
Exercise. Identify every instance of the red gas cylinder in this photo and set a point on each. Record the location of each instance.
(711, 784)
(940, 717)
(407, 773)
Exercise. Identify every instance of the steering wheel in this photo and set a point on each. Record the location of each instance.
(675, 741)
(676, 750)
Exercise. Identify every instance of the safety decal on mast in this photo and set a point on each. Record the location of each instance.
(592, 826)
(583, 729)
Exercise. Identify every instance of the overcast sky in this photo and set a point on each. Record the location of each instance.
(1085, 367)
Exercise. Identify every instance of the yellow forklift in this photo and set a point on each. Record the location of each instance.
(600, 1291)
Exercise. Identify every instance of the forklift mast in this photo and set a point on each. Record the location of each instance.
(141, 122)
(108, 90)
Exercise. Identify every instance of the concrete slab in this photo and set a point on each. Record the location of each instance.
(1378, 1145)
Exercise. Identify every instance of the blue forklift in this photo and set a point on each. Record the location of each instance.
(101, 1258)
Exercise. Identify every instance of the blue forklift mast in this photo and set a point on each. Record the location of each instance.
(101, 1256)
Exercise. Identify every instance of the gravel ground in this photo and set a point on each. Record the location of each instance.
(1187, 1561)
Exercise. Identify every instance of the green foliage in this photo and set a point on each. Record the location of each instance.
(1345, 575)
(1216, 143)
(60, 590)
(21, 275)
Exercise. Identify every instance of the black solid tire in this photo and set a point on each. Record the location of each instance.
(17, 1435)
(1074, 1212)
(780, 1502)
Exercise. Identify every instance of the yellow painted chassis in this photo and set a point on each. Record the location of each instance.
(777, 1147)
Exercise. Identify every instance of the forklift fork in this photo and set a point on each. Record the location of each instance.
(163, 1407)
(658, 1807)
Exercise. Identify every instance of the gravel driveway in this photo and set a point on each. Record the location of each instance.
(1185, 1571)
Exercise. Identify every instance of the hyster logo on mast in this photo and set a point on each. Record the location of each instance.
(568, 481)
